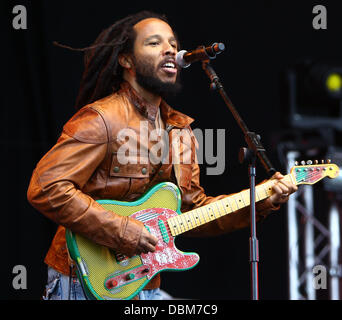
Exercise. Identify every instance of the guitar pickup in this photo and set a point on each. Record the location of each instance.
(163, 231)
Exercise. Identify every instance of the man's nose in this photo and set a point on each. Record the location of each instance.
(169, 50)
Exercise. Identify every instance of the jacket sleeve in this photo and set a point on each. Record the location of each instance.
(195, 197)
(56, 185)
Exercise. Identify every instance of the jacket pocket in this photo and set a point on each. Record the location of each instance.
(132, 166)
(130, 173)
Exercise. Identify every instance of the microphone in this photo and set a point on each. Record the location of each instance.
(185, 58)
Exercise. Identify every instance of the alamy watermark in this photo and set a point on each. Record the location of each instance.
(20, 19)
(19, 281)
(320, 21)
(320, 278)
(179, 146)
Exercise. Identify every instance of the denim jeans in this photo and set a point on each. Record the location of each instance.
(57, 288)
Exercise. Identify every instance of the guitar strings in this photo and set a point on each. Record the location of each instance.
(300, 177)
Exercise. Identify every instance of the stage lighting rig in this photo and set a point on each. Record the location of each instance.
(334, 185)
(314, 95)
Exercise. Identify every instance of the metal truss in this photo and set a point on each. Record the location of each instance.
(311, 243)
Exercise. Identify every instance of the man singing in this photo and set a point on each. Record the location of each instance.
(129, 70)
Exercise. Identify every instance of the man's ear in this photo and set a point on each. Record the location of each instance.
(125, 61)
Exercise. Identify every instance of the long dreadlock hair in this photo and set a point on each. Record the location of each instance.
(102, 72)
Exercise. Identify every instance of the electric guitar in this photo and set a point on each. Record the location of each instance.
(106, 274)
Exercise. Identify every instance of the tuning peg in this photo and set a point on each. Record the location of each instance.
(316, 161)
(303, 163)
(309, 162)
(296, 163)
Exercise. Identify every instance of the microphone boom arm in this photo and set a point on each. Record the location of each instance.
(185, 58)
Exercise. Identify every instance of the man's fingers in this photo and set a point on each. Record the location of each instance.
(280, 189)
(285, 186)
(147, 242)
(150, 248)
(149, 237)
(153, 240)
(291, 188)
(277, 176)
(146, 248)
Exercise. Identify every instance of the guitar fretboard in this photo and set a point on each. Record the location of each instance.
(212, 211)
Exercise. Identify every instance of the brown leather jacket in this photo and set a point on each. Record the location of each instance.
(83, 167)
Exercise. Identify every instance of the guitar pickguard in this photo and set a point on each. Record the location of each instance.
(166, 256)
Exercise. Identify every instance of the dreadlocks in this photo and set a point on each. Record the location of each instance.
(103, 74)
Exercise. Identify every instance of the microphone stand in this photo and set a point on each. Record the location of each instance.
(255, 150)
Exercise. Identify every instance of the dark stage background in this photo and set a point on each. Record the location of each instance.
(39, 87)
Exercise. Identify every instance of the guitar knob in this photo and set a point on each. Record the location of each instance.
(303, 163)
(112, 284)
(296, 163)
(329, 161)
(316, 161)
(309, 162)
(322, 161)
(130, 276)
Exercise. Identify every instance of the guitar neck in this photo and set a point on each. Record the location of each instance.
(212, 211)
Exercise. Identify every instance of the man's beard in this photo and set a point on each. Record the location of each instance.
(147, 78)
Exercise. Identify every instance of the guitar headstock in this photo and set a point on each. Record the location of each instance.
(309, 173)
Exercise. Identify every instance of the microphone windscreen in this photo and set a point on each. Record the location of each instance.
(180, 59)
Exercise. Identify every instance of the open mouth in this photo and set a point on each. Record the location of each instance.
(169, 67)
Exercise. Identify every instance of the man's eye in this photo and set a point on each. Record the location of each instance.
(154, 43)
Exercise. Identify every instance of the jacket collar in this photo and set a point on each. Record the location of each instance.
(168, 114)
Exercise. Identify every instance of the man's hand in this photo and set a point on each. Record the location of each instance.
(282, 189)
(147, 242)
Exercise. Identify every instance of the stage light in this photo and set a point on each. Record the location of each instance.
(323, 80)
(334, 83)
(313, 95)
